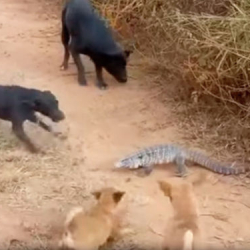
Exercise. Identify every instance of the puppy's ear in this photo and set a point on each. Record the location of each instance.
(117, 196)
(165, 188)
(97, 194)
(198, 179)
(127, 53)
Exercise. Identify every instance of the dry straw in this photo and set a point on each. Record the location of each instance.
(208, 43)
(204, 43)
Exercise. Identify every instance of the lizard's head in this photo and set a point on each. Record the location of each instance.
(129, 162)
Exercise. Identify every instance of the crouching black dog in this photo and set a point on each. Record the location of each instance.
(83, 32)
(18, 104)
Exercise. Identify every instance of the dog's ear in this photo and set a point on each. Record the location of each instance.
(47, 92)
(127, 53)
(165, 188)
(117, 196)
(37, 102)
(29, 104)
(197, 179)
(97, 194)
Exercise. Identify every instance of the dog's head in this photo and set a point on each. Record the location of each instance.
(116, 65)
(108, 197)
(176, 188)
(47, 104)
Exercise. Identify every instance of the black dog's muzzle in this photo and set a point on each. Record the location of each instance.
(57, 116)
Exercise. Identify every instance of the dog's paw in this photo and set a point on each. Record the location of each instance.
(101, 85)
(82, 81)
(63, 67)
(60, 135)
(33, 149)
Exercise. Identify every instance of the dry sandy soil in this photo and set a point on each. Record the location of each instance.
(102, 126)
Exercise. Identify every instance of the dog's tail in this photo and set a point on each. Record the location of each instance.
(66, 240)
(72, 213)
(188, 240)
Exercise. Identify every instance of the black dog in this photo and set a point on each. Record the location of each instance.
(90, 36)
(18, 104)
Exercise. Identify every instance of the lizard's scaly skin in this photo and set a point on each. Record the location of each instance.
(170, 153)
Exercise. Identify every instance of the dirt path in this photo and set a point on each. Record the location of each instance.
(102, 127)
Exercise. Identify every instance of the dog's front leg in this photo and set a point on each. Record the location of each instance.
(50, 129)
(43, 125)
(17, 128)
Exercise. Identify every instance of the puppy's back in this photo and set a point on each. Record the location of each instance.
(84, 231)
(183, 229)
(91, 230)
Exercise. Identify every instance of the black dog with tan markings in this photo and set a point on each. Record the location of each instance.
(18, 104)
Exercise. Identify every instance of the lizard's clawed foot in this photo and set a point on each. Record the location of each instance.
(182, 174)
(143, 172)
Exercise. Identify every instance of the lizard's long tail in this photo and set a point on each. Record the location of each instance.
(213, 165)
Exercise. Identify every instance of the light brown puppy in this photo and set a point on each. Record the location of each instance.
(91, 230)
(183, 229)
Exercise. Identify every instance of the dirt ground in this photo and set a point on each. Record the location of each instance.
(101, 127)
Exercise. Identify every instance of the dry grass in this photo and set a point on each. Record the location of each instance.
(34, 180)
(209, 50)
(201, 46)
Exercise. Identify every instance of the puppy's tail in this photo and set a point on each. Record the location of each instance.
(72, 213)
(188, 240)
(66, 240)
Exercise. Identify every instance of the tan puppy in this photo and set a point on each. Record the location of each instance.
(183, 230)
(91, 230)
